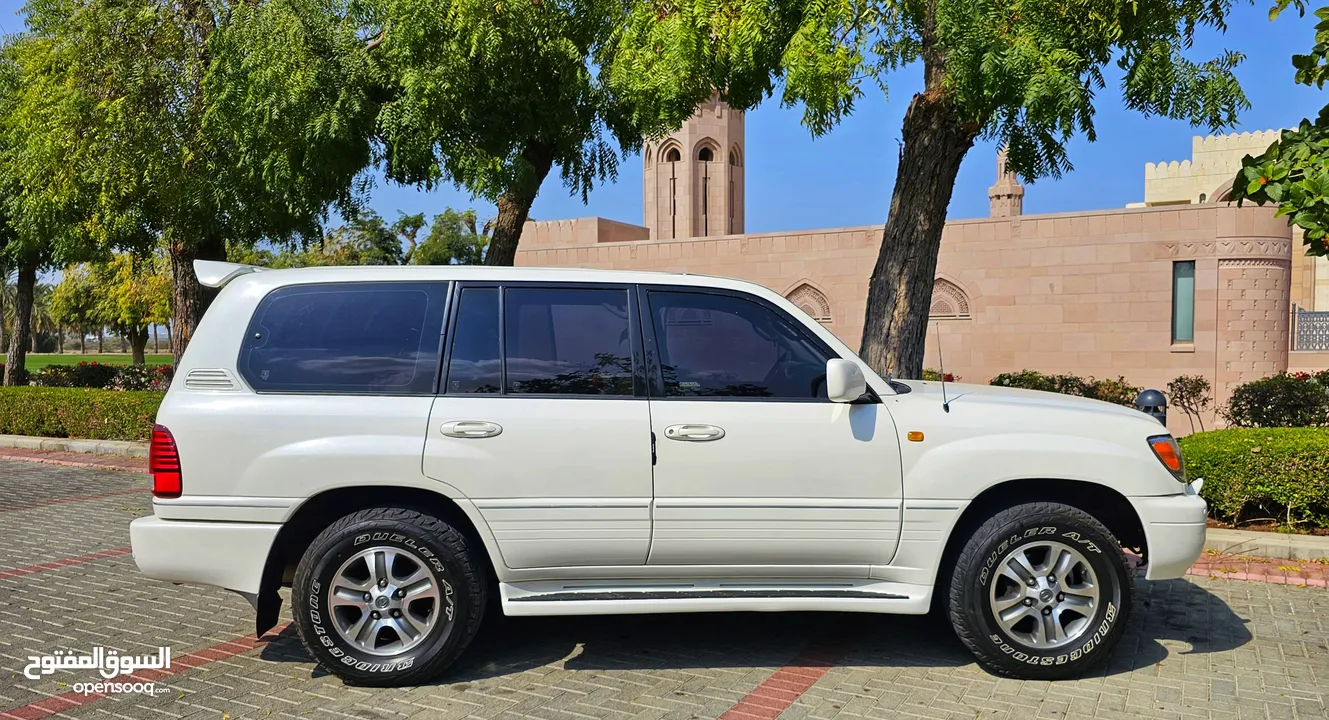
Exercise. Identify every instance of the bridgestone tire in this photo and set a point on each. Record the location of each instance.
(1038, 528)
(460, 583)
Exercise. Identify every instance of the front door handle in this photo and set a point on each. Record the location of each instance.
(694, 433)
(471, 429)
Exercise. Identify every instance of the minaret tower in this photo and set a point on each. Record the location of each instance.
(1006, 198)
(693, 179)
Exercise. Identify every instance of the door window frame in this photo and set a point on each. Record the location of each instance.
(654, 373)
(639, 375)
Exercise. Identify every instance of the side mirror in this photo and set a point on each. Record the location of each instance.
(844, 381)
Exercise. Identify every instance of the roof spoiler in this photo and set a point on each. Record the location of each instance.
(215, 274)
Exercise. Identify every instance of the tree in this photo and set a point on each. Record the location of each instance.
(1191, 394)
(133, 293)
(1294, 172)
(42, 320)
(74, 302)
(166, 133)
(453, 239)
(1023, 73)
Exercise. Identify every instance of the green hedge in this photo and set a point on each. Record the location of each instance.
(1271, 473)
(78, 412)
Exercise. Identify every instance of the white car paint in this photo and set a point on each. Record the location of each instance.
(826, 499)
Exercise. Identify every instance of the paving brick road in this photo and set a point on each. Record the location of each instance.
(1196, 648)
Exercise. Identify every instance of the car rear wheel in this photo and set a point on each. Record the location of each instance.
(388, 597)
(1040, 591)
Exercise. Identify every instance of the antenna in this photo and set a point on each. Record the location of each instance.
(945, 403)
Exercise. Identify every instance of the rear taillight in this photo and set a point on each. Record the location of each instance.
(164, 463)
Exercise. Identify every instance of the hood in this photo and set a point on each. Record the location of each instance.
(961, 393)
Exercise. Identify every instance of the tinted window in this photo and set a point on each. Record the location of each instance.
(346, 338)
(724, 346)
(474, 365)
(567, 341)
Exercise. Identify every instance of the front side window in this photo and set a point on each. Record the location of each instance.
(1183, 301)
(726, 346)
(346, 338)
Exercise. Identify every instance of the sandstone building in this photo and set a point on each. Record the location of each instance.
(1181, 283)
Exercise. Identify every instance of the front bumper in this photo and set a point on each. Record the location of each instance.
(1174, 528)
(225, 554)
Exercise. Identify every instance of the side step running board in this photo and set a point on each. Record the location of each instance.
(702, 595)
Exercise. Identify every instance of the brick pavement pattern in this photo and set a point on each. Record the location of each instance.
(1203, 647)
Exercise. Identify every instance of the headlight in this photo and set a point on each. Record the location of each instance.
(1169, 453)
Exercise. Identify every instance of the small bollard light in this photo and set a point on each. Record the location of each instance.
(1153, 404)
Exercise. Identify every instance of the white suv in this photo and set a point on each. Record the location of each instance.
(401, 445)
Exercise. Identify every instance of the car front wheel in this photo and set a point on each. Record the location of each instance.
(1040, 591)
(388, 597)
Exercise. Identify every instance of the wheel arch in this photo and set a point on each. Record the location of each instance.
(1104, 503)
(321, 510)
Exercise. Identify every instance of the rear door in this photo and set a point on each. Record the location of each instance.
(756, 467)
(542, 421)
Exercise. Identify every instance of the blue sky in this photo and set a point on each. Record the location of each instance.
(845, 178)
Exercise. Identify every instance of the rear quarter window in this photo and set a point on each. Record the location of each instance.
(346, 338)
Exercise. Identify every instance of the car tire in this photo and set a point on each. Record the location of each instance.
(386, 597)
(1040, 591)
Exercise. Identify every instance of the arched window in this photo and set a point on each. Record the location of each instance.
(673, 155)
(948, 300)
(811, 301)
(735, 158)
(706, 155)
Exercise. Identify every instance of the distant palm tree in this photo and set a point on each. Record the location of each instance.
(8, 291)
(42, 320)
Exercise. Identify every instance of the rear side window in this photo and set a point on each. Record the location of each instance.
(346, 338)
(543, 341)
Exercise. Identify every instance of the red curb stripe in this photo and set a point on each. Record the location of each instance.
(70, 700)
(77, 498)
(79, 560)
(129, 465)
(786, 685)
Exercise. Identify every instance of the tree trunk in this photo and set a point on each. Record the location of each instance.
(82, 341)
(156, 344)
(101, 340)
(32, 339)
(190, 299)
(514, 205)
(138, 342)
(18, 339)
(60, 339)
(900, 291)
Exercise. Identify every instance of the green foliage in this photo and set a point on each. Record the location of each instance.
(131, 291)
(1116, 391)
(1190, 394)
(453, 238)
(1250, 474)
(105, 376)
(1026, 73)
(37, 362)
(78, 413)
(1284, 400)
(74, 301)
(1293, 173)
(935, 375)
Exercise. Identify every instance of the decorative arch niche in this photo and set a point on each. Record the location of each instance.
(948, 301)
(811, 301)
(671, 152)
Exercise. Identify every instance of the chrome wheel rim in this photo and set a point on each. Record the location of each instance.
(384, 600)
(1045, 594)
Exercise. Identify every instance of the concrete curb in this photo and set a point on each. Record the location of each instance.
(1266, 544)
(122, 448)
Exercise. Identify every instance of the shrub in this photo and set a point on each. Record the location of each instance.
(1279, 473)
(1116, 391)
(935, 375)
(78, 413)
(1190, 394)
(100, 375)
(1284, 400)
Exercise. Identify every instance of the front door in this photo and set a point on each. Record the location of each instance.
(543, 423)
(755, 466)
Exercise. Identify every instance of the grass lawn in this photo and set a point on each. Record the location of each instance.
(37, 362)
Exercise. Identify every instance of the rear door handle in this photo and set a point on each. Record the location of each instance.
(694, 433)
(471, 429)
